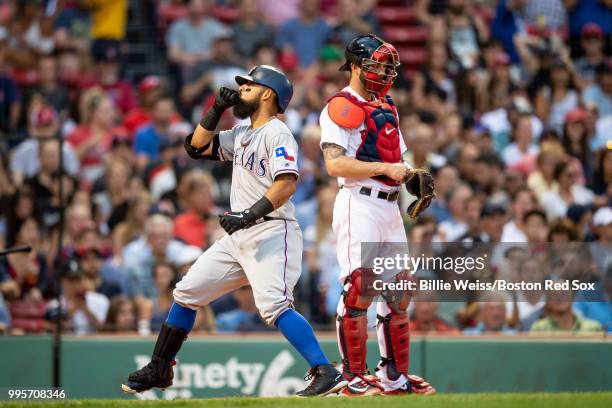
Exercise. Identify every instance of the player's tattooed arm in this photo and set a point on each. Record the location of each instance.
(338, 164)
(332, 151)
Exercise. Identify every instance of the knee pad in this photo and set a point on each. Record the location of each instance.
(399, 300)
(359, 290)
(353, 324)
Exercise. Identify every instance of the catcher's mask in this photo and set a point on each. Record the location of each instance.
(378, 61)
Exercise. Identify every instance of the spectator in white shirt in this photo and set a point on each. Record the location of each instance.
(43, 124)
(524, 200)
(522, 146)
(85, 310)
(453, 228)
(556, 203)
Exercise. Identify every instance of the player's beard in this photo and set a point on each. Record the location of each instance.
(245, 109)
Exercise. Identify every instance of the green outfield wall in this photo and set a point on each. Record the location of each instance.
(227, 366)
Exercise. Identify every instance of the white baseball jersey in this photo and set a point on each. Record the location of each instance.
(259, 155)
(267, 256)
(364, 218)
(350, 140)
(357, 217)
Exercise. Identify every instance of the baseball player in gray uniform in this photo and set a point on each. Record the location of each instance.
(263, 245)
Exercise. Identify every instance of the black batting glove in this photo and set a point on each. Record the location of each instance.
(236, 220)
(233, 221)
(226, 98)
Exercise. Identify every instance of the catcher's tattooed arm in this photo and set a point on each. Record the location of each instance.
(338, 164)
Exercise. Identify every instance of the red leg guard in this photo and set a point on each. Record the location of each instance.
(397, 339)
(353, 334)
(353, 322)
(396, 326)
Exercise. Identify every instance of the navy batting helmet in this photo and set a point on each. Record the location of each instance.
(272, 78)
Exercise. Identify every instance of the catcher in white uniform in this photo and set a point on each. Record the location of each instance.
(263, 245)
(363, 146)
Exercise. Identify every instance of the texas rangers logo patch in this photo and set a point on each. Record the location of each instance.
(282, 152)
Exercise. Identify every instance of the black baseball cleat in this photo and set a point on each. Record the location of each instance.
(156, 374)
(325, 380)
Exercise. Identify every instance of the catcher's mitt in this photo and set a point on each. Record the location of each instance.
(420, 184)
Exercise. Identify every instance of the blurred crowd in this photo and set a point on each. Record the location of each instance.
(508, 103)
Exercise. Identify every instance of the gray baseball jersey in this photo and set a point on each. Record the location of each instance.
(267, 256)
(259, 155)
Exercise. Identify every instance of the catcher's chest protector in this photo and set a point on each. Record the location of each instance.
(380, 140)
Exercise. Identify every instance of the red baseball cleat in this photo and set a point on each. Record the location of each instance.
(414, 385)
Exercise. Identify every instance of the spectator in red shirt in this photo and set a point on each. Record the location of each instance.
(94, 137)
(24, 281)
(74, 74)
(191, 226)
(151, 89)
(107, 68)
(24, 275)
(425, 314)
